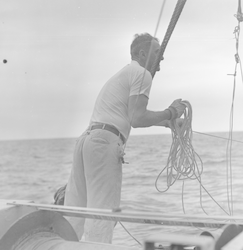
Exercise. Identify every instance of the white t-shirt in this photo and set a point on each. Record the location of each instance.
(111, 106)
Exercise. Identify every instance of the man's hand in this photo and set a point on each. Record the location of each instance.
(177, 108)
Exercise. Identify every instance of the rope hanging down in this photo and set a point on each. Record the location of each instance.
(176, 14)
(182, 160)
(181, 163)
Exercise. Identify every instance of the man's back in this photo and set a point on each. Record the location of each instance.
(111, 106)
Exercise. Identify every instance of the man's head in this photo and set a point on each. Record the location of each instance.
(144, 50)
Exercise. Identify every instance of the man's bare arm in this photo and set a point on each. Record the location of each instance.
(141, 117)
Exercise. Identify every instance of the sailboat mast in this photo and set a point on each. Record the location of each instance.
(176, 14)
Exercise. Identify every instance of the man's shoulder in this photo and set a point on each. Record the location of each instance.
(135, 67)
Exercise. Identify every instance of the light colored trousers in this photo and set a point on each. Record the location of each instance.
(95, 182)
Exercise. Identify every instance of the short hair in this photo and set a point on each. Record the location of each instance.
(141, 41)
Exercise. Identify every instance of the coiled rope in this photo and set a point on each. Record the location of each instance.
(181, 163)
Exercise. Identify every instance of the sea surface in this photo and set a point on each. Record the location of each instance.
(35, 169)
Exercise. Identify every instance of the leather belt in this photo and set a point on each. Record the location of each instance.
(110, 128)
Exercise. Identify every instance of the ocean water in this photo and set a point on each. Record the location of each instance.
(35, 169)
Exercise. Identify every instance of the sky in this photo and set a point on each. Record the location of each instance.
(61, 52)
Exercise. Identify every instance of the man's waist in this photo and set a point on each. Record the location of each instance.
(109, 128)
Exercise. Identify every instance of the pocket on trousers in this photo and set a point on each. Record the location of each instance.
(99, 140)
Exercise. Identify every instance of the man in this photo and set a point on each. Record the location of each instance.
(96, 176)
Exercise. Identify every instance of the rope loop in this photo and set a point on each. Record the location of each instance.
(181, 162)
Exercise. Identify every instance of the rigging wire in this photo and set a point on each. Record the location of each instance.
(130, 234)
(216, 136)
(239, 17)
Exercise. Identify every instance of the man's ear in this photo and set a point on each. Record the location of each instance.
(142, 54)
